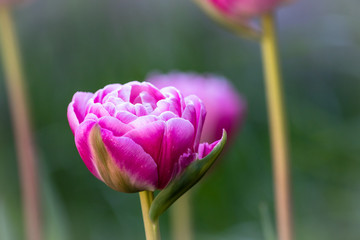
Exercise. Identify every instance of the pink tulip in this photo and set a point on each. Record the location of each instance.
(237, 14)
(135, 137)
(225, 107)
(243, 9)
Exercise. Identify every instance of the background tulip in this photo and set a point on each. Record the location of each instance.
(244, 8)
(135, 137)
(237, 14)
(225, 107)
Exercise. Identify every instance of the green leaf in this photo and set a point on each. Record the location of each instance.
(191, 175)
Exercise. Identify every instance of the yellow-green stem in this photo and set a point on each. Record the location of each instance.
(181, 220)
(277, 128)
(21, 124)
(152, 230)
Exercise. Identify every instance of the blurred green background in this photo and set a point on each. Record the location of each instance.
(73, 45)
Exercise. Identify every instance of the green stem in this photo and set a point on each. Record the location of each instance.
(20, 117)
(181, 221)
(277, 128)
(152, 230)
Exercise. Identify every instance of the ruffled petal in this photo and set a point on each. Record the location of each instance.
(100, 95)
(195, 112)
(98, 110)
(114, 125)
(77, 109)
(137, 171)
(82, 142)
(125, 117)
(124, 93)
(140, 110)
(165, 116)
(178, 138)
(184, 161)
(138, 88)
(206, 148)
(143, 120)
(175, 99)
(149, 137)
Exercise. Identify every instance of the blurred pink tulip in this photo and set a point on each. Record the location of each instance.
(135, 137)
(243, 9)
(225, 107)
(237, 14)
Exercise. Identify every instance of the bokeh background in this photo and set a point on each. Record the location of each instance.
(73, 45)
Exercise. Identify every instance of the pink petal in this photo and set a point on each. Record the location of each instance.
(114, 125)
(161, 106)
(175, 99)
(206, 148)
(102, 93)
(110, 108)
(194, 102)
(77, 108)
(165, 116)
(140, 110)
(98, 110)
(147, 98)
(132, 160)
(184, 161)
(137, 88)
(83, 145)
(126, 117)
(124, 93)
(143, 120)
(178, 138)
(126, 106)
(149, 137)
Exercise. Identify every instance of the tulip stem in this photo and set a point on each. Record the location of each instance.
(20, 117)
(181, 221)
(277, 128)
(152, 230)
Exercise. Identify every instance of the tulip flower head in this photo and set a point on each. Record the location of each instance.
(237, 14)
(225, 107)
(244, 8)
(136, 137)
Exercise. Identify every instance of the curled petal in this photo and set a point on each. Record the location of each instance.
(178, 138)
(124, 93)
(123, 164)
(195, 112)
(82, 142)
(77, 109)
(102, 93)
(140, 110)
(126, 117)
(149, 137)
(99, 110)
(206, 148)
(175, 99)
(143, 120)
(114, 125)
(165, 116)
(138, 88)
